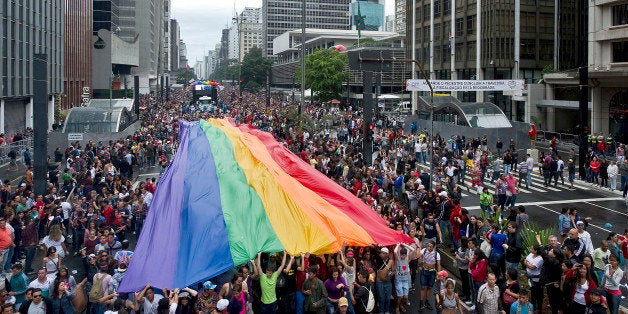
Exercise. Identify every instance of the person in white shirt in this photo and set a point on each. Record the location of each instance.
(613, 171)
(530, 164)
(534, 264)
(585, 236)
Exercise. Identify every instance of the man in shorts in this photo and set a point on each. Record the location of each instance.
(431, 265)
(402, 276)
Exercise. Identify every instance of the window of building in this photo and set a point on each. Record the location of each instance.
(471, 24)
(426, 12)
(437, 8)
(620, 14)
(471, 51)
(459, 27)
(620, 51)
(446, 7)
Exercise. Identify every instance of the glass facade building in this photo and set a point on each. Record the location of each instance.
(371, 11)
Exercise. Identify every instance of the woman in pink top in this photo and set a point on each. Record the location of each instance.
(512, 189)
(595, 169)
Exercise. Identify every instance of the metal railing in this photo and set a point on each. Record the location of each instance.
(565, 141)
(19, 147)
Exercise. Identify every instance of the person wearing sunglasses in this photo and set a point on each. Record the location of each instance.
(38, 305)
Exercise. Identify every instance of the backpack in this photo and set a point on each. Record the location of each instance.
(96, 291)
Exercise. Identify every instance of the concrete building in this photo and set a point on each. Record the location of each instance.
(149, 28)
(245, 33)
(175, 40)
(447, 42)
(390, 24)
(78, 45)
(28, 28)
(372, 13)
(555, 102)
(287, 50)
(126, 20)
(183, 55)
(112, 57)
(400, 17)
(166, 57)
(280, 16)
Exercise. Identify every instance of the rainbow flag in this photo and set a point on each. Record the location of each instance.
(232, 191)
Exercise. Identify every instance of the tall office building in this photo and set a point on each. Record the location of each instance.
(106, 14)
(183, 55)
(28, 28)
(400, 16)
(78, 44)
(280, 16)
(370, 11)
(126, 20)
(149, 34)
(165, 37)
(496, 47)
(245, 33)
(175, 38)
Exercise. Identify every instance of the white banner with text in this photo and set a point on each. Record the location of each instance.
(465, 85)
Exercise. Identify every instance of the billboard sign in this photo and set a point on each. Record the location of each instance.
(466, 85)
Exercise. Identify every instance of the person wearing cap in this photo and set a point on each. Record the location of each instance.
(402, 275)
(343, 305)
(585, 237)
(206, 302)
(438, 289)
(19, 284)
(596, 306)
(383, 285)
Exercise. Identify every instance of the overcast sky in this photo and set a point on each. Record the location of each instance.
(202, 21)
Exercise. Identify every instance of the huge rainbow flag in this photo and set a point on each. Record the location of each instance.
(232, 191)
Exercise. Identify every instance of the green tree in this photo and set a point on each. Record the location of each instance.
(184, 76)
(324, 73)
(226, 70)
(255, 68)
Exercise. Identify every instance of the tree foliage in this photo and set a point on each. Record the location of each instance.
(225, 70)
(184, 76)
(255, 67)
(324, 73)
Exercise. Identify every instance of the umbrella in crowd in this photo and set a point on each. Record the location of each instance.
(232, 191)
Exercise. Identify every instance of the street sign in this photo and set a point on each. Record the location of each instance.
(75, 137)
(465, 85)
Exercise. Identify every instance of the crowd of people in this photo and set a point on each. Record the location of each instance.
(94, 209)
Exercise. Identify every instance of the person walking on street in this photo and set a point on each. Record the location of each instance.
(612, 170)
(571, 167)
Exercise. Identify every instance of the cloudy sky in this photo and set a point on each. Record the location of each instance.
(202, 21)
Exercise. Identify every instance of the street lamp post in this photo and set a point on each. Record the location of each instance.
(429, 84)
(111, 102)
(238, 21)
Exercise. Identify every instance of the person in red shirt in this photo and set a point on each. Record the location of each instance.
(6, 238)
(595, 169)
(108, 213)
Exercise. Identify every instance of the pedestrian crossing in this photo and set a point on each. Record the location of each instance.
(537, 185)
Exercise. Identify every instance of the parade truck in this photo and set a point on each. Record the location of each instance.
(200, 90)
